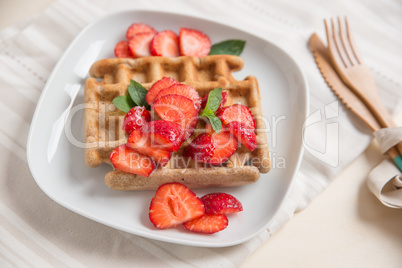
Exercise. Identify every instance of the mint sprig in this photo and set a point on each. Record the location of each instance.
(228, 47)
(213, 103)
(138, 93)
(136, 97)
(123, 103)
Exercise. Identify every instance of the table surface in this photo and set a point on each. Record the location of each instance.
(345, 226)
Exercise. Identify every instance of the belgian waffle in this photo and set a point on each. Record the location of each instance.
(110, 78)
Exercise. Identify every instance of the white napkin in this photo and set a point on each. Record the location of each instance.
(36, 231)
(385, 180)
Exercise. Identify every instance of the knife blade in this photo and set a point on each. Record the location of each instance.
(347, 97)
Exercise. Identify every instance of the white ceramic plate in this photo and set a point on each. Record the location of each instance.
(55, 144)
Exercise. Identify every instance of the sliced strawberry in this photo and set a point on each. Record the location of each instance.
(225, 147)
(194, 43)
(136, 118)
(201, 148)
(139, 28)
(210, 130)
(221, 203)
(128, 160)
(139, 44)
(165, 133)
(223, 100)
(237, 112)
(121, 50)
(183, 90)
(244, 134)
(174, 204)
(159, 85)
(207, 224)
(165, 44)
(178, 109)
(142, 143)
(191, 125)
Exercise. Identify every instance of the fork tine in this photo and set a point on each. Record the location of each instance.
(347, 47)
(352, 42)
(332, 46)
(338, 43)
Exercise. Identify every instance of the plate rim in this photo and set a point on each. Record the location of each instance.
(180, 241)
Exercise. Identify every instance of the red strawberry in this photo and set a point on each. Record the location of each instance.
(139, 28)
(223, 100)
(139, 44)
(183, 90)
(221, 203)
(237, 112)
(128, 160)
(174, 204)
(178, 109)
(207, 224)
(165, 133)
(159, 85)
(244, 134)
(165, 44)
(225, 147)
(194, 43)
(136, 118)
(191, 125)
(121, 50)
(142, 143)
(201, 148)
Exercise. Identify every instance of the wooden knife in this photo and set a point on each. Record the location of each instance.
(351, 101)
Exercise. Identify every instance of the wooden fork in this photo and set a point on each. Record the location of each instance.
(354, 73)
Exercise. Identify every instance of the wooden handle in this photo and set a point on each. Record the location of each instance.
(372, 100)
(384, 118)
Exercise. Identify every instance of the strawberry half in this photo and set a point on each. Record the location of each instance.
(136, 118)
(225, 147)
(182, 90)
(159, 85)
(193, 43)
(201, 148)
(237, 112)
(174, 204)
(143, 144)
(139, 28)
(165, 44)
(139, 44)
(178, 109)
(121, 50)
(221, 203)
(207, 224)
(128, 160)
(223, 100)
(244, 134)
(165, 133)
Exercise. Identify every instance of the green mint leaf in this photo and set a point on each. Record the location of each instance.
(123, 103)
(228, 47)
(214, 100)
(213, 103)
(215, 123)
(138, 93)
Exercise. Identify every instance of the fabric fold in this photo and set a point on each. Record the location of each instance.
(385, 182)
(388, 137)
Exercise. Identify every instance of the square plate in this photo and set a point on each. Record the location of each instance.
(55, 147)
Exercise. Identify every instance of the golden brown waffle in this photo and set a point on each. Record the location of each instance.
(103, 121)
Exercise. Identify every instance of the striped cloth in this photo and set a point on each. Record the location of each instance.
(37, 232)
